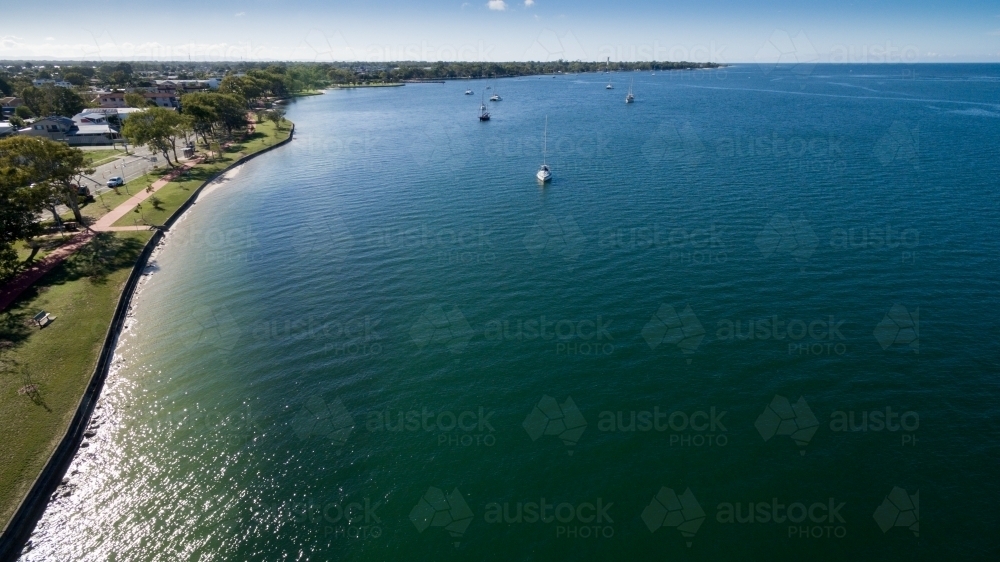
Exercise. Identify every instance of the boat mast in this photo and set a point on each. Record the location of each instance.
(545, 138)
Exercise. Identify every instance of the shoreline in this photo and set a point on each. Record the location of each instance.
(17, 531)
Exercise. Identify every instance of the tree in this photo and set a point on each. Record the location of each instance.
(135, 99)
(52, 100)
(200, 108)
(75, 78)
(157, 128)
(276, 116)
(23, 111)
(50, 168)
(17, 122)
(19, 207)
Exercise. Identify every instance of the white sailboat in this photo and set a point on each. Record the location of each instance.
(544, 174)
(629, 98)
(607, 70)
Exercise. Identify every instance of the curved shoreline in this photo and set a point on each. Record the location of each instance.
(32, 507)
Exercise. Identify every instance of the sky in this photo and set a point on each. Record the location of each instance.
(723, 31)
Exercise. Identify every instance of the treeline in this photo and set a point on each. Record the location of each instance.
(396, 72)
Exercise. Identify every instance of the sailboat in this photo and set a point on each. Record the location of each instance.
(469, 92)
(629, 98)
(544, 174)
(483, 114)
(607, 70)
(495, 96)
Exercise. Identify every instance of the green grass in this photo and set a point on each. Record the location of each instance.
(59, 360)
(175, 193)
(102, 156)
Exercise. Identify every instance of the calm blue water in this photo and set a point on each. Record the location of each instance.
(386, 342)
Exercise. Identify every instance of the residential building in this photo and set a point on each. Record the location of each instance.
(9, 104)
(66, 130)
(39, 82)
(117, 99)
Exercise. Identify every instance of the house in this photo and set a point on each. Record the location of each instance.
(88, 116)
(9, 104)
(6, 129)
(39, 82)
(109, 100)
(191, 85)
(163, 99)
(67, 130)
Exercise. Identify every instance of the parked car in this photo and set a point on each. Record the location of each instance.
(116, 181)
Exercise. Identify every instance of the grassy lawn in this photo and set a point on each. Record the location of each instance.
(102, 156)
(43, 373)
(58, 360)
(175, 193)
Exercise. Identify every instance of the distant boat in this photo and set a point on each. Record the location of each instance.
(483, 114)
(629, 98)
(469, 92)
(607, 70)
(544, 174)
(495, 96)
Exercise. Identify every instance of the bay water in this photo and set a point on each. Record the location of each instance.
(753, 317)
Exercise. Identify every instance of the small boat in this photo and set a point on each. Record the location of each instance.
(544, 174)
(483, 114)
(629, 98)
(469, 92)
(607, 70)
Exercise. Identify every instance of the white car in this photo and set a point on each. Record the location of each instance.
(116, 181)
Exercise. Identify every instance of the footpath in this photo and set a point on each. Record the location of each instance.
(13, 288)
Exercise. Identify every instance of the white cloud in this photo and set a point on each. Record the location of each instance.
(529, 3)
(498, 5)
(50, 38)
(241, 14)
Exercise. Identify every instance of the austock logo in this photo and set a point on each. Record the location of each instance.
(782, 236)
(330, 421)
(216, 328)
(439, 327)
(672, 144)
(553, 236)
(782, 48)
(899, 327)
(667, 326)
(899, 509)
(780, 417)
(549, 417)
(667, 509)
(437, 509)
(899, 145)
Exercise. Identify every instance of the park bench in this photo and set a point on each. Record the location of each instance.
(43, 319)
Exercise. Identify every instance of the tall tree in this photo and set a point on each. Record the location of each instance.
(157, 128)
(52, 168)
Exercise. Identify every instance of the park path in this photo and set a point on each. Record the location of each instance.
(13, 289)
(104, 224)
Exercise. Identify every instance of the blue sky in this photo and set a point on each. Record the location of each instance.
(378, 30)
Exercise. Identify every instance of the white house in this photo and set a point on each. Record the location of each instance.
(39, 82)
